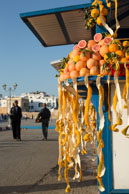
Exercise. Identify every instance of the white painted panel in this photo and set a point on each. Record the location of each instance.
(120, 150)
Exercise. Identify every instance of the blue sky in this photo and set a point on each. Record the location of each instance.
(22, 57)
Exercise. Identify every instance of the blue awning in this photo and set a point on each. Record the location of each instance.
(59, 26)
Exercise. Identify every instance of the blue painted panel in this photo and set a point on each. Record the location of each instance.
(120, 191)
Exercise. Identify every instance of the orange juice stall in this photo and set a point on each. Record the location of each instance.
(93, 81)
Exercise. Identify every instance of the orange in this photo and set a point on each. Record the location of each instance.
(70, 61)
(113, 47)
(79, 65)
(124, 59)
(125, 43)
(96, 56)
(84, 56)
(103, 50)
(127, 55)
(94, 13)
(74, 74)
(101, 42)
(104, 12)
(66, 75)
(71, 67)
(76, 58)
(91, 22)
(84, 71)
(101, 62)
(94, 70)
(90, 44)
(120, 53)
(99, 22)
(74, 53)
(91, 62)
(116, 41)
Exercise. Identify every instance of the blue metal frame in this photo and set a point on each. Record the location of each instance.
(55, 10)
(119, 191)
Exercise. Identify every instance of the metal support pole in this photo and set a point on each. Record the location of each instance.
(9, 102)
(9, 121)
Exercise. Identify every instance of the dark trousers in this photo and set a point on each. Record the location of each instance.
(16, 129)
(45, 123)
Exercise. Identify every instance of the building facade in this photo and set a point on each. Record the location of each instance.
(36, 99)
(6, 104)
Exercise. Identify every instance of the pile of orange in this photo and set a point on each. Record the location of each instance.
(95, 57)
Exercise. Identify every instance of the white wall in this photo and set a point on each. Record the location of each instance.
(3, 103)
(120, 150)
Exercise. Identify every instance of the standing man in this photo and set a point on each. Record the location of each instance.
(44, 115)
(15, 116)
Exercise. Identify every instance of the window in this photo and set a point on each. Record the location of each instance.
(40, 104)
(25, 104)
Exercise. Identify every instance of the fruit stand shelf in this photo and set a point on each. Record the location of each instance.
(82, 90)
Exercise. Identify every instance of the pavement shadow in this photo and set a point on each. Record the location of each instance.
(45, 187)
(29, 140)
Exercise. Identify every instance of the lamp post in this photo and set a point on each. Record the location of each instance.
(9, 104)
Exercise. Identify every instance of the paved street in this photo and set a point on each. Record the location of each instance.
(30, 166)
(29, 122)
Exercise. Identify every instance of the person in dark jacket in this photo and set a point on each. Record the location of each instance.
(44, 116)
(15, 116)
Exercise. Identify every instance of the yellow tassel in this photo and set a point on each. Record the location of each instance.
(124, 131)
(87, 104)
(67, 190)
(77, 138)
(87, 137)
(124, 95)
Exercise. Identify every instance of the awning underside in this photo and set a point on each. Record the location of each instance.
(59, 28)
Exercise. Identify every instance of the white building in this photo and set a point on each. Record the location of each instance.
(36, 99)
(6, 104)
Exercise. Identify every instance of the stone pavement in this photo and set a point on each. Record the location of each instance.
(30, 166)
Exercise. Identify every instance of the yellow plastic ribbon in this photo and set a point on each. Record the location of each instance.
(87, 103)
(101, 167)
(117, 22)
(126, 98)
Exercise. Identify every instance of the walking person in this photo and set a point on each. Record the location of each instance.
(44, 116)
(15, 116)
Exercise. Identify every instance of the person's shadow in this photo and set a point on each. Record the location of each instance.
(46, 187)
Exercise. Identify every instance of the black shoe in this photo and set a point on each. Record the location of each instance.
(43, 139)
(19, 139)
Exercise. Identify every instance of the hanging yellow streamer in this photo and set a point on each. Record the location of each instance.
(87, 103)
(101, 167)
(117, 23)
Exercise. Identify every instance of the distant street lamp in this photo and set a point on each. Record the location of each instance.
(10, 91)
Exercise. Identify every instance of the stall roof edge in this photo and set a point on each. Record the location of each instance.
(54, 10)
